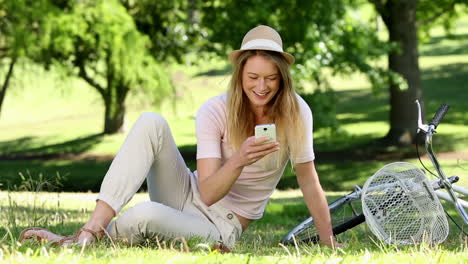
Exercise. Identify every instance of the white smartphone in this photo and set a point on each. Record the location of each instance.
(266, 130)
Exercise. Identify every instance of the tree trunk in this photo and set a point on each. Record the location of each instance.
(400, 20)
(6, 83)
(114, 113)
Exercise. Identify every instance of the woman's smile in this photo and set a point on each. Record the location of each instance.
(260, 81)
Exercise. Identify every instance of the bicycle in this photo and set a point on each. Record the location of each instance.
(347, 212)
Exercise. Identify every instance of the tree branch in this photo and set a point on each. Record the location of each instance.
(83, 74)
(436, 15)
(7, 81)
(3, 51)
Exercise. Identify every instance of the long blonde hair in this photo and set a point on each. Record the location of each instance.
(283, 109)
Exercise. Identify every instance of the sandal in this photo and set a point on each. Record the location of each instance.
(221, 248)
(22, 236)
(73, 239)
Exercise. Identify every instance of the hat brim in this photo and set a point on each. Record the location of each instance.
(235, 53)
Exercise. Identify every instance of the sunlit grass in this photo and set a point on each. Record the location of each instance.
(64, 213)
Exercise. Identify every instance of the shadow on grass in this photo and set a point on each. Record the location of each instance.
(76, 176)
(441, 84)
(436, 47)
(362, 105)
(21, 148)
(216, 72)
(447, 84)
(336, 176)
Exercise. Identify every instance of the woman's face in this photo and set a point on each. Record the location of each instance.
(260, 80)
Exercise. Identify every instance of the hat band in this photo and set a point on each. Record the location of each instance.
(262, 43)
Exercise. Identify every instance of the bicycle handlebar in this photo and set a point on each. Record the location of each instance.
(429, 130)
(439, 115)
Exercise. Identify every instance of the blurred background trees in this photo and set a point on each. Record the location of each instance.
(121, 46)
(20, 34)
(403, 20)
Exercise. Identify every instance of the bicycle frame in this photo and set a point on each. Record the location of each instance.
(429, 130)
(443, 182)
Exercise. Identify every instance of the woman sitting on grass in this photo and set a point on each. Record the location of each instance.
(236, 172)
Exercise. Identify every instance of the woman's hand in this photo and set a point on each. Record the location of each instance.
(254, 149)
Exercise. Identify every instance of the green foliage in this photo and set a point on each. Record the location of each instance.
(19, 26)
(99, 42)
(172, 26)
(323, 105)
(106, 43)
(441, 12)
(319, 33)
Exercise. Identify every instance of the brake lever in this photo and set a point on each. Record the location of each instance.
(421, 126)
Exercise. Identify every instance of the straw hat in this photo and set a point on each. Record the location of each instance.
(262, 38)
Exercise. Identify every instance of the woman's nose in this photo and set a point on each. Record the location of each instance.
(261, 84)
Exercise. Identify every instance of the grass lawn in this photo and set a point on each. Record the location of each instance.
(65, 212)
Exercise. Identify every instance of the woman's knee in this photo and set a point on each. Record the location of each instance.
(145, 212)
(152, 121)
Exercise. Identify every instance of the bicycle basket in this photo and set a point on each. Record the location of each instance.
(401, 207)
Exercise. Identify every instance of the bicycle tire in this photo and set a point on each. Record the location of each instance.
(342, 215)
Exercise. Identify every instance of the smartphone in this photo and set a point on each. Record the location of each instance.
(266, 130)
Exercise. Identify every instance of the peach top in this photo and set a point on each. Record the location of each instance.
(250, 192)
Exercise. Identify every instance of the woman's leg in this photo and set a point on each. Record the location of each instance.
(149, 151)
(152, 220)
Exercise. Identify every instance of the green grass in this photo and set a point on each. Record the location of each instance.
(65, 212)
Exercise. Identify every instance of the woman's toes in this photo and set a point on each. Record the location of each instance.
(42, 235)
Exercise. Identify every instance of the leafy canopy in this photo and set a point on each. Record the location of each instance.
(99, 39)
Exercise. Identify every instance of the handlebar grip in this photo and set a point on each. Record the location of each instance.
(439, 115)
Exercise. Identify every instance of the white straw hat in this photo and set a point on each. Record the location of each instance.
(262, 38)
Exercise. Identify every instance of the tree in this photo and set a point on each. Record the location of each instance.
(402, 19)
(19, 21)
(172, 26)
(321, 34)
(99, 42)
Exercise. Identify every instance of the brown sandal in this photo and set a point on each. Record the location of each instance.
(98, 235)
(221, 248)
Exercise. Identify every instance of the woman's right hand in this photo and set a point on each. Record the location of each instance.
(254, 149)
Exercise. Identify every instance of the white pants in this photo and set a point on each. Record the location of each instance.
(175, 210)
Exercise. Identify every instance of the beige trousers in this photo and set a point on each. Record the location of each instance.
(175, 209)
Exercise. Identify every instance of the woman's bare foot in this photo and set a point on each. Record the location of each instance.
(83, 237)
(39, 234)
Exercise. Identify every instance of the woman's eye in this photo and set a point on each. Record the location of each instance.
(253, 78)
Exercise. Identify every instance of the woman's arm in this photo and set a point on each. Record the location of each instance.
(316, 202)
(215, 179)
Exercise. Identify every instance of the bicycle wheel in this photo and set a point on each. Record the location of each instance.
(345, 213)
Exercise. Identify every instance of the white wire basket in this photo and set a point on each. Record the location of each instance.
(401, 207)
